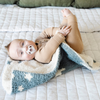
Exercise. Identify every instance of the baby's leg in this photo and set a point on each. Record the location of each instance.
(64, 22)
(74, 38)
(65, 13)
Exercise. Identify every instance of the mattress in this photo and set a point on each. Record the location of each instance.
(27, 23)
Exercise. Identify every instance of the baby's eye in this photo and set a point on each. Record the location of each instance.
(23, 44)
(21, 52)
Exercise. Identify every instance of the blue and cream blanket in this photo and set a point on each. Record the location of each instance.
(22, 75)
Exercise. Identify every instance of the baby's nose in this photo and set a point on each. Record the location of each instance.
(25, 48)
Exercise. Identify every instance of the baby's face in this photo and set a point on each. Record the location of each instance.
(20, 49)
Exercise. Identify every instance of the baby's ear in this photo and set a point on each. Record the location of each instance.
(7, 48)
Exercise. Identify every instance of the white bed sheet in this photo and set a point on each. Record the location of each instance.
(79, 84)
(14, 18)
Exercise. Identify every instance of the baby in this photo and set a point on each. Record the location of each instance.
(48, 41)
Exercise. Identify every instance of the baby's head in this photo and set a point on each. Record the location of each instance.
(20, 49)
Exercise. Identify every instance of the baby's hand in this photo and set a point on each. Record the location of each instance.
(65, 30)
(66, 12)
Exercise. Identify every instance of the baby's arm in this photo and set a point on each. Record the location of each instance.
(45, 53)
(50, 32)
(47, 33)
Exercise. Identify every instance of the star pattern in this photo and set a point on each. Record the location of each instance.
(20, 88)
(28, 76)
(59, 72)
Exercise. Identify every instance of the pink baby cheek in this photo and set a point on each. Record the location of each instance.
(29, 56)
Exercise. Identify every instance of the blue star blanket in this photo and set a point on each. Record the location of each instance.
(19, 76)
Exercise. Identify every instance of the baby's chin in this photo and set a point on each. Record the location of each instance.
(30, 57)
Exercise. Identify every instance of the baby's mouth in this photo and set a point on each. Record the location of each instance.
(31, 49)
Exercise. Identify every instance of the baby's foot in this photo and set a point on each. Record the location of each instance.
(66, 12)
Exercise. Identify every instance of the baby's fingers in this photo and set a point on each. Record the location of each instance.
(68, 28)
(63, 27)
(68, 31)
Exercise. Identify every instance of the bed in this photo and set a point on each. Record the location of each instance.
(27, 23)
